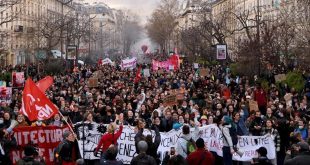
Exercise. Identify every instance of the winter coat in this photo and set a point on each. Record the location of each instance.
(108, 139)
(301, 159)
(143, 159)
(227, 140)
(201, 157)
(182, 142)
(275, 136)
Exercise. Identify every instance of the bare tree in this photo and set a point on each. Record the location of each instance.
(162, 23)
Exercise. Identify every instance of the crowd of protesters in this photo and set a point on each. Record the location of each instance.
(219, 98)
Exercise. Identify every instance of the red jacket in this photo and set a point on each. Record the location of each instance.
(260, 97)
(107, 139)
(200, 156)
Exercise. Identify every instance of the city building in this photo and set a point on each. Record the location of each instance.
(19, 23)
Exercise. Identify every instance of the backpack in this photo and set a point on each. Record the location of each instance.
(190, 146)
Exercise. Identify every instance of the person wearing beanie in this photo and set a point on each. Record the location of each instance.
(143, 158)
(303, 156)
(29, 158)
(201, 156)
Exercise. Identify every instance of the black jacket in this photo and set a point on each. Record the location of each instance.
(66, 153)
(143, 159)
(28, 160)
(301, 159)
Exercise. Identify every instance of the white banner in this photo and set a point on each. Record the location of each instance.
(211, 134)
(107, 61)
(129, 63)
(90, 138)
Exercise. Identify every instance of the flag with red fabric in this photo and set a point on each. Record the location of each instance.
(138, 75)
(45, 83)
(35, 105)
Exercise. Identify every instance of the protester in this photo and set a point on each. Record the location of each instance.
(302, 157)
(67, 150)
(201, 156)
(262, 157)
(183, 148)
(142, 157)
(109, 138)
(30, 154)
(215, 95)
(229, 139)
(110, 157)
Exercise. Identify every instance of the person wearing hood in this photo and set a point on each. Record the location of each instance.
(184, 139)
(230, 139)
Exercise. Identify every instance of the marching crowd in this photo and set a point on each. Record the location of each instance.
(218, 98)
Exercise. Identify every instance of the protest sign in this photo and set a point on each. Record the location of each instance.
(46, 139)
(93, 82)
(98, 74)
(6, 94)
(211, 134)
(253, 105)
(107, 61)
(146, 73)
(91, 139)
(156, 65)
(170, 100)
(280, 77)
(129, 63)
(196, 65)
(203, 72)
(18, 79)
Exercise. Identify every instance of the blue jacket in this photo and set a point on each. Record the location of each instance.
(242, 130)
(303, 132)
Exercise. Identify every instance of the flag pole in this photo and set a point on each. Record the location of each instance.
(66, 121)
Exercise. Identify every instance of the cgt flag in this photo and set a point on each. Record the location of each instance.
(45, 83)
(35, 105)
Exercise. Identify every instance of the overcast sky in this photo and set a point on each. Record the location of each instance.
(143, 8)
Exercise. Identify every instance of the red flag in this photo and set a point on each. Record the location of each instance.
(45, 83)
(35, 105)
(138, 75)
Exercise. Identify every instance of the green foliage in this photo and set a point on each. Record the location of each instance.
(6, 76)
(54, 67)
(265, 84)
(295, 80)
(234, 69)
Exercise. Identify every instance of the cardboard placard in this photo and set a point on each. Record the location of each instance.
(253, 105)
(93, 82)
(280, 77)
(196, 65)
(170, 100)
(146, 73)
(204, 72)
(97, 74)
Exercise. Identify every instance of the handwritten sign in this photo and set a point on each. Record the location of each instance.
(170, 100)
(93, 82)
(253, 105)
